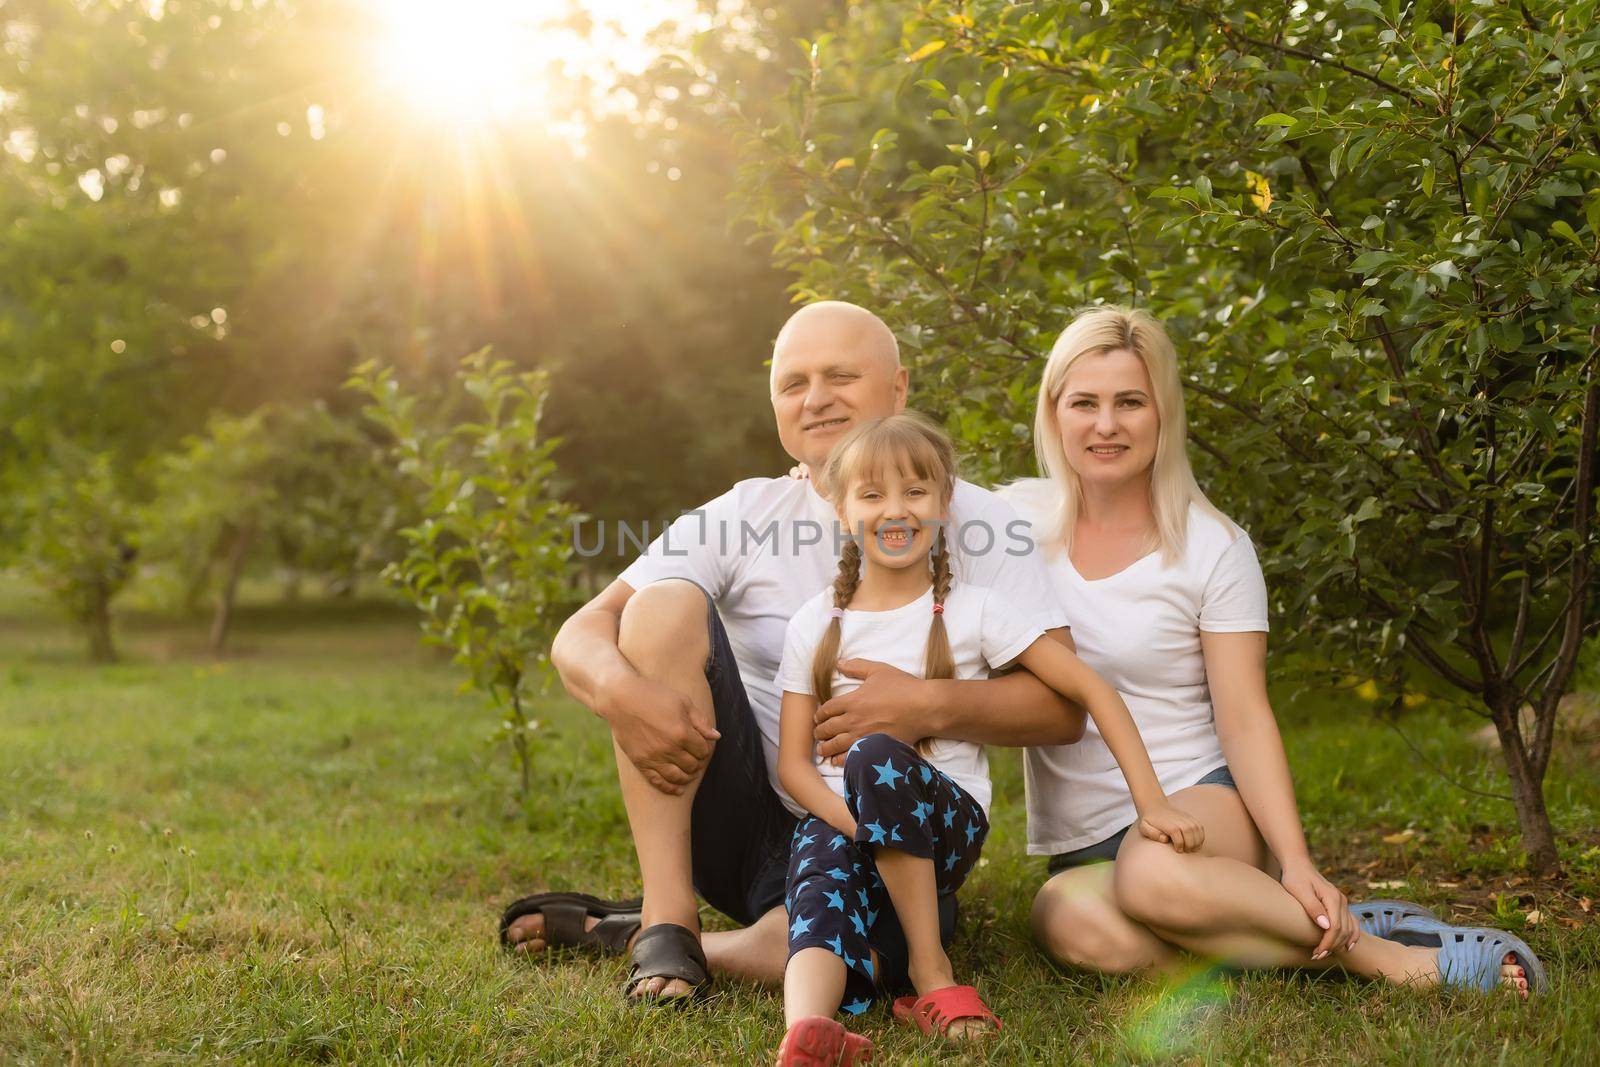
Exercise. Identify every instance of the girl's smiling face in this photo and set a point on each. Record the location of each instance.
(896, 516)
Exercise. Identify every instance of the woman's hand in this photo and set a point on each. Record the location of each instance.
(1165, 823)
(1327, 907)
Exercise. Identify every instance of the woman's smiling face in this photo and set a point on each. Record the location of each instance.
(1108, 420)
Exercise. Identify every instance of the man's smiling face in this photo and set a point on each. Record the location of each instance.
(834, 365)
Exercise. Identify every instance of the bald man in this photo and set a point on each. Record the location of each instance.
(680, 655)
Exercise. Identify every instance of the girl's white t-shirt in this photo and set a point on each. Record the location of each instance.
(986, 633)
(1139, 629)
(764, 547)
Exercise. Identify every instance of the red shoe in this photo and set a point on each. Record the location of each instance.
(937, 1010)
(816, 1041)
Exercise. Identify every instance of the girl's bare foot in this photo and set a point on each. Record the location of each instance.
(937, 978)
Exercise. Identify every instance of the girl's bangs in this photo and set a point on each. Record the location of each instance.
(889, 447)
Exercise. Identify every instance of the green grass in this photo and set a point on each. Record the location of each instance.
(299, 854)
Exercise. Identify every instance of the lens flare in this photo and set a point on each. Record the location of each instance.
(1177, 1019)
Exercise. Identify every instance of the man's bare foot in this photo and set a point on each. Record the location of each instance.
(527, 936)
(611, 925)
(665, 988)
(527, 933)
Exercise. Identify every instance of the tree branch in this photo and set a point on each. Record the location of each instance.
(1311, 57)
(1418, 646)
(1577, 99)
(1440, 771)
(1209, 449)
(1578, 581)
(1486, 550)
(1520, 630)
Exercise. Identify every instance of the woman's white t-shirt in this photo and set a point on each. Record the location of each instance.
(1139, 629)
(986, 632)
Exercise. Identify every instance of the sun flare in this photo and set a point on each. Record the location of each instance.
(473, 61)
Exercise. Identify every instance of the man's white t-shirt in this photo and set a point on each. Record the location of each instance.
(985, 632)
(768, 545)
(1139, 629)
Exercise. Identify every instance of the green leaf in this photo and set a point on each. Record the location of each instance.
(1277, 118)
(1372, 262)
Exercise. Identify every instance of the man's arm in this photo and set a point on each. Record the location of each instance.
(585, 651)
(1013, 709)
(654, 725)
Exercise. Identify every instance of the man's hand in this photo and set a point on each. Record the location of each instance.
(888, 701)
(660, 732)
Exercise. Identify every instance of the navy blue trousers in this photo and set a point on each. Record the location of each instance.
(835, 897)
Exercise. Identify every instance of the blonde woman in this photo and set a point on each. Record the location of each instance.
(1166, 601)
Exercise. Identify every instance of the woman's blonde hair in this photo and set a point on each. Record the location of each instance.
(1173, 489)
(909, 443)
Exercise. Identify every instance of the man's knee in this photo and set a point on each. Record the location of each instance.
(669, 617)
(1078, 927)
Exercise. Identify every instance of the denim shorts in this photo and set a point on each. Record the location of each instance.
(739, 830)
(1106, 851)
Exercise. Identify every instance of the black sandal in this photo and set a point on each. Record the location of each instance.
(566, 915)
(667, 950)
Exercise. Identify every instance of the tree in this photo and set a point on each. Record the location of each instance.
(298, 481)
(1374, 229)
(489, 564)
(80, 541)
(210, 206)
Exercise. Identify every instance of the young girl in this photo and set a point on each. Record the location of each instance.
(898, 821)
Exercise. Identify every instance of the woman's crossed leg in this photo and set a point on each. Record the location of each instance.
(1223, 902)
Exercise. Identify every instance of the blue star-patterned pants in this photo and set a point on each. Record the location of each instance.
(835, 896)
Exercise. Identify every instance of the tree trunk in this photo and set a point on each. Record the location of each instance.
(519, 742)
(98, 625)
(230, 587)
(1527, 793)
(194, 590)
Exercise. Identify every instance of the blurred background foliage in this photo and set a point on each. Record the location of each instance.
(214, 205)
(1373, 227)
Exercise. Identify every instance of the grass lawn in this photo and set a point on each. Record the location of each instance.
(299, 854)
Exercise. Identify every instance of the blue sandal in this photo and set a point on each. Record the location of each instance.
(1471, 957)
(1378, 917)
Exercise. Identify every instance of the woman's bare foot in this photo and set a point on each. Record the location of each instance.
(1419, 965)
